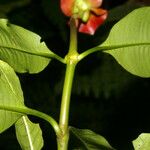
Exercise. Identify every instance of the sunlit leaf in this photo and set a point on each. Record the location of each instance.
(129, 42)
(29, 134)
(90, 140)
(142, 142)
(10, 95)
(22, 49)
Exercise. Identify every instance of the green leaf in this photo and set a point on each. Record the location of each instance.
(142, 142)
(90, 140)
(10, 95)
(29, 135)
(129, 42)
(22, 49)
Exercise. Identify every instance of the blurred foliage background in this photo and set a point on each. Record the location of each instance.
(105, 98)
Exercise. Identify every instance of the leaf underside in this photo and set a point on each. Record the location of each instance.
(10, 95)
(29, 134)
(22, 49)
(129, 42)
(90, 140)
(142, 142)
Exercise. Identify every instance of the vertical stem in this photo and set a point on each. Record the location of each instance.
(71, 60)
(64, 113)
(73, 37)
(65, 103)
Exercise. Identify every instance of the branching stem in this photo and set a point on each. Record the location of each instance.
(71, 61)
(28, 111)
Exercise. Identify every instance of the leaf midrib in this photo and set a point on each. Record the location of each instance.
(28, 132)
(78, 136)
(104, 47)
(46, 55)
(111, 47)
(5, 76)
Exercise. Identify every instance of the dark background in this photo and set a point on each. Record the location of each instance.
(105, 98)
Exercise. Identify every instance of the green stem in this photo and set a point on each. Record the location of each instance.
(29, 111)
(73, 37)
(50, 56)
(65, 104)
(64, 112)
(42, 54)
(71, 60)
(107, 48)
(88, 52)
(59, 59)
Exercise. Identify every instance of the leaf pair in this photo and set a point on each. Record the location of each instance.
(29, 135)
(128, 42)
(24, 51)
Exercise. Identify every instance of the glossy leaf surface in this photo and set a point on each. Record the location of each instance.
(129, 42)
(22, 49)
(29, 134)
(10, 95)
(142, 142)
(90, 140)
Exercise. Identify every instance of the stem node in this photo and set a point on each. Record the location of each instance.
(71, 61)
